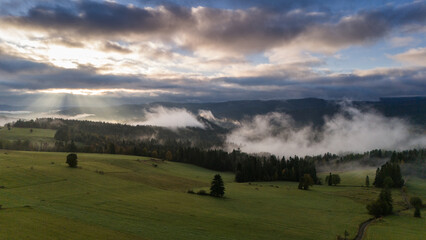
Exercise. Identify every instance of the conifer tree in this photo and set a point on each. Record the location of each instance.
(367, 181)
(217, 188)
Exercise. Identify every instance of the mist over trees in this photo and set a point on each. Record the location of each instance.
(389, 174)
(98, 137)
(272, 169)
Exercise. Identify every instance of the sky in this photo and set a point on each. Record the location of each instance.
(114, 52)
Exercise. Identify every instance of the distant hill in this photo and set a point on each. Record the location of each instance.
(304, 111)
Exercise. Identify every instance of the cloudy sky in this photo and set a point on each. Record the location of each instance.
(143, 51)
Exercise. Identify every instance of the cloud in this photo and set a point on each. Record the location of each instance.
(401, 41)
(110, 46)
(12, 65)
(12, 116)
(207, 114)
(238, 30)
(23, 80)
(153, 48)
(170, 117)
(414, 56)
(349, 131)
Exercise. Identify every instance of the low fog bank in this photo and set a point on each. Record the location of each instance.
(13, 116)
(347, 132)
(170, 118)
(356, 165)
(156, 116)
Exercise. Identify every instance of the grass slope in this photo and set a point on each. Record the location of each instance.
(38, 135)
(402, 225)
(133, 199)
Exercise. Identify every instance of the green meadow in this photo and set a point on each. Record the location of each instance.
(22, 138)
(130, 197)
(24, 134)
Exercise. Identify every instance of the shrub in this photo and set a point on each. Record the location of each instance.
(416, 202)
(305, 181)
(383, 205)
(72, 160)
(202, 192)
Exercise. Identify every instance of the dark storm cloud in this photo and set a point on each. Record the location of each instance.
(93, 18)
(248, 30)
(13, 65)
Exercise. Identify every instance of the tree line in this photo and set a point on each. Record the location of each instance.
(389, 174)
(98, 137)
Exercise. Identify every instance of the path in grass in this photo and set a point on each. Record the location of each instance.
(362, 228)
(401, 224)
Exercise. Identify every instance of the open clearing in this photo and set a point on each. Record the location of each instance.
(23, 134)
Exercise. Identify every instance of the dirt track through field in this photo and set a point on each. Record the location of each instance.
(362, 228)
(364, 225)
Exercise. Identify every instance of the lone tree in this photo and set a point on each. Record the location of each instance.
(383, 205)
(367, 181)
(332, 179)
(417, 204)
(217, 188)
(306, 181)
(72, 160)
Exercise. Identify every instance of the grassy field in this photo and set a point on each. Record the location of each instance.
(44, 199)
(38, 135)
(402, 225)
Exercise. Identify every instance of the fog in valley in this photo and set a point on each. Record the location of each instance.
(349, 131)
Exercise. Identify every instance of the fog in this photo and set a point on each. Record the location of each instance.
(12, 116)
(170, 117)
(157, 116)
(207, 114)
(350, 131)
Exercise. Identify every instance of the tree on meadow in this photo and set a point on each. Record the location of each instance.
(333, 179)
(72, 160)
(217, 188)
(367, 181)
(305, 182)
(416, 202)
(383, 205)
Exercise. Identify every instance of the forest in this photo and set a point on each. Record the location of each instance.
(100, 137)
